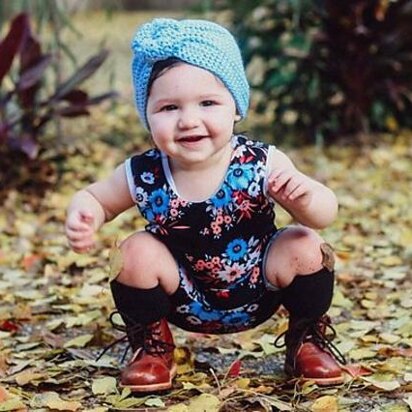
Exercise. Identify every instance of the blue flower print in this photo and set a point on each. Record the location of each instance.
(150, 217)
(240, 176)
(159, 201)
(236, 318)
(153, 153)
(204, 315)
(236, 249)
(147, 177)
(223, 197)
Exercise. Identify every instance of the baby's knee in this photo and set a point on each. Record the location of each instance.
(302, 237)
(137, 251)
(309, 248)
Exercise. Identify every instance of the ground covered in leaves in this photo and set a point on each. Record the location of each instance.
(54, 304)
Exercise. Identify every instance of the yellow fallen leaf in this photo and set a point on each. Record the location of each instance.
(204, 402)
(340, 300)
(407, 377)
(389, 337)
(90, 291)
(98, 409)
(391, 261)
(12, 404)
(157, 402)
(408, 401)
(79, 342)
(52, 400)
(64, 261)
(104, 386)
(406, 302)
(367, 304)
(280, 405)
(180, 407)
(385, 385)
(362, 353)
(115, 262)
(29, 294)
(27, 376)
(242, 383)
(325, 404)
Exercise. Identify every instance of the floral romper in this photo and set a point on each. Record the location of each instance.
(219, 244)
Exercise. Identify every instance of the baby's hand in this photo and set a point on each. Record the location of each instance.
(291, 188)
(80, 230)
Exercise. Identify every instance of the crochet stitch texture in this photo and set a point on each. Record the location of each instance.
(198, 42)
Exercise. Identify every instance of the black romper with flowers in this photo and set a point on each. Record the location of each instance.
(219, 244)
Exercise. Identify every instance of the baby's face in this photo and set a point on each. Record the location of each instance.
(190, 113)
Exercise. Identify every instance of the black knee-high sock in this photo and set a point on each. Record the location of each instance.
(141, 306)
(309, 296)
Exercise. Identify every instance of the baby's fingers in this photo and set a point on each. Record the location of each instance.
(78, 234)
(87, 217)
(79, 221)
(277, 180)
(77, 227)
(296, 192)
(82, 245)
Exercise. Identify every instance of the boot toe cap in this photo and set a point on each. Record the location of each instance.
(318, 365)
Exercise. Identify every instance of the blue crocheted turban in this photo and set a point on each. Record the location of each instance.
(198, 42)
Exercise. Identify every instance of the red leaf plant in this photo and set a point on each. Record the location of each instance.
(25, 106)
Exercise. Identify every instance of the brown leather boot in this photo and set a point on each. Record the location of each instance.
(310, 354)
(152, 367)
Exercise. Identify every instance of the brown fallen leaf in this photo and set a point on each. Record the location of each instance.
(3, 394)
(29, 376)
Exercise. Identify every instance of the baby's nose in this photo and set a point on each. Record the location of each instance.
(188, 119)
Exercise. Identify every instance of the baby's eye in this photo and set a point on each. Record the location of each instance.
(208, 103)
(168, 108)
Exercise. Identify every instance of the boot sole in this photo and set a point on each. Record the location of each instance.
(154, 387)
(337, 380)
(334, 380)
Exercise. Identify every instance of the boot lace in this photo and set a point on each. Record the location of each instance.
(315, 332)
(145, 337)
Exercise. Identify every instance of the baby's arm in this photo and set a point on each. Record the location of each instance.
(310, 202)
(91, 207)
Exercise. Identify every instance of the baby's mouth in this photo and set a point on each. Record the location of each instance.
(190, 139)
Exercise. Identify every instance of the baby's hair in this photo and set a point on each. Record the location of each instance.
(159, 68)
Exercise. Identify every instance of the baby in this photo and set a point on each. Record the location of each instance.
(210, 258)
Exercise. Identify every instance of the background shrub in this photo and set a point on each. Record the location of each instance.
(327, 68)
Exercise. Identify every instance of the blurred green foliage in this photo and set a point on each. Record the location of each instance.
(29, 102)
(325, 68)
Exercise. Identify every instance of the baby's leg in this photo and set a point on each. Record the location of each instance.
(147, 262)
(300, 263)
(297, 250)
(149, 274)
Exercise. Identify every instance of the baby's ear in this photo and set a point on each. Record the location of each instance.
(238, 117)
